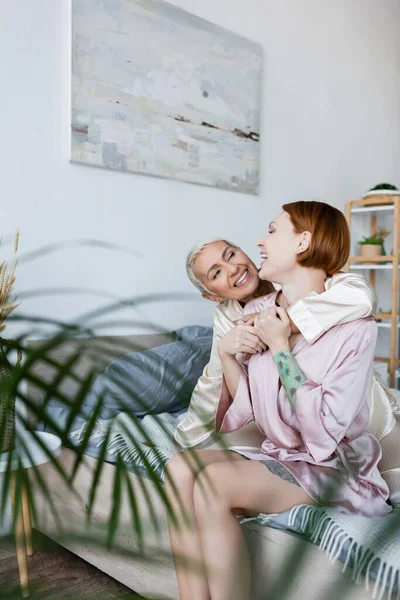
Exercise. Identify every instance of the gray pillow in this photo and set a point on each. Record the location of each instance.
(158, 380)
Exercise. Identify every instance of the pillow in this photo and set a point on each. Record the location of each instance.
(389, 465)
(158, 380)
(385, 426)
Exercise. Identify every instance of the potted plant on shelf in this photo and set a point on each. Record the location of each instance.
(374, 244)
(382, 188)
(7, 395)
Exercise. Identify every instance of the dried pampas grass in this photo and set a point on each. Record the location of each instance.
(7, 280)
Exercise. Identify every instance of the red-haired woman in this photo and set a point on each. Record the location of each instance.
(310, 402)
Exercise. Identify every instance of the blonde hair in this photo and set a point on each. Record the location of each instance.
(193, 254)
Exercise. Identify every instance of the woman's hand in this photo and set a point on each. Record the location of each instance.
(249, 319)
(273, 327)
(241, 338)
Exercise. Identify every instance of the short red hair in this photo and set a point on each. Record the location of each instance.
(330, 236)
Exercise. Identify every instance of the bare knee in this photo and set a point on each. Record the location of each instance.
(177, 468)
(180, 473)
(207, 493)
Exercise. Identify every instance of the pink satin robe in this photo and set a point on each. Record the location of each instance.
(324, 442)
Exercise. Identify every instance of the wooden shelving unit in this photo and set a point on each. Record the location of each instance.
(376, 204)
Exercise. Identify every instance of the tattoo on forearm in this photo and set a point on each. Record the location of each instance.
(291, 375)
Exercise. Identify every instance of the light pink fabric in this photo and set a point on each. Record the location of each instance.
(324, 442)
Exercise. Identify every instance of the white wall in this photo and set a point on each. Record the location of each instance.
(330, 130)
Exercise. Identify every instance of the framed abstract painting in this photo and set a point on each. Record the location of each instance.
(159, 91)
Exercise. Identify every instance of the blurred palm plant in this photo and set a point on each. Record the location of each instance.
(35, 390)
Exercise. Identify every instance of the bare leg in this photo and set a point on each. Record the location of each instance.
(185, 541)
(247, 486)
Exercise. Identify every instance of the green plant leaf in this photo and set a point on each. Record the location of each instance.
(372, 240)
(383, 186)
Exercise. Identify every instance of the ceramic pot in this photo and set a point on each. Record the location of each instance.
(370, 250)
(7, 404)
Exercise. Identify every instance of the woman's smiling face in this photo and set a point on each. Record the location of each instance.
(227, 272)
(279, 249)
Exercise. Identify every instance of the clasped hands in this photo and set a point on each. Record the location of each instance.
(270, 328)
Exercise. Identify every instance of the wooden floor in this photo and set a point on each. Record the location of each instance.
(56, 573)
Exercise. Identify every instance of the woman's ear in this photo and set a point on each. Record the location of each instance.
(304, 242)
(212, 297)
